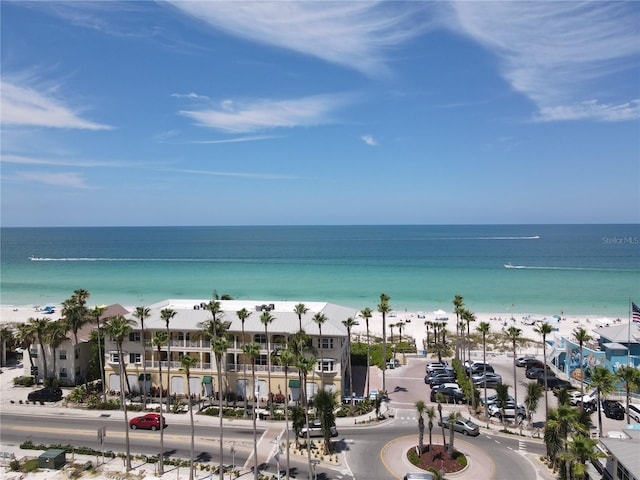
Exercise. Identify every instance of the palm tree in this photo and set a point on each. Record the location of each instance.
(439, 399)
(96, 313)
(484, 328)
(581, 452)
(420, 408)
(319, 318)
(431, 414)
(502, 397)
(453, 416)
(300, 309)
(366, 314)
(286, 358)
(188, 363)
(142, 313)
(252, 351)
(468, 317)
(80, 296)
(325, 404)
(56, 335)
(513, 335)
(384, 308)
(391, 327)
(534, 392)
(604, 382)
(458, 302)
(305, 365)
(119, 328)
(266, 318)
(25, 338)
(166, 314)
(544, 329)
(220, 346)
(582, 336)
(215, 309)
(159, 340)
(400, 326)
(350, 323)
(39, 327)
(75, 312)
(630, 377)
(242, 316)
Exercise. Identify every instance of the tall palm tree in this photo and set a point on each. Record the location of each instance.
(119, 328)
(188, 363)
(56, 335)
(431, 414)
(439, 398)
(305, 365)
(391, 327)
(604, 382)
(384, 308)
(325, 403)
(159, 340)
(166, 315)
(142, 313)
(484, 328)
(220, 346)
(252, 352)
(453, 416)
(582, 336)
(216, 310)
(514, 335)
(80, 296)
(534, 392)
(39, 327)
(97, 313)
(300, 309)
(366, 314)
(242, 316)
(25, 337)
(319, 318)
(582, 451)
(266, 319)
(350, 323)
(286, 359)
(468, 317)
(544, 329)
(502, 397)
(630, 377)
(421, 408)
(458, 303)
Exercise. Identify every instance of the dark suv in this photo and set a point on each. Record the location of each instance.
(47, 394)
(613, 409)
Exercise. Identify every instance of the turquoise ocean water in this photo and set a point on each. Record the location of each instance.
(577, 269)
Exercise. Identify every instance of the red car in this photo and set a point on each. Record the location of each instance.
(150, 421)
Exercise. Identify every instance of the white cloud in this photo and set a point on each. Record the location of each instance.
(25, 106)
(246, 117)
(357, 35)
(253, 138)
(556, 53)
(369, 140)
(191, 96)
(66, 180)
(58, 162)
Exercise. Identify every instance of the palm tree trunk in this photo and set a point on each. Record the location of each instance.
(350, 375)
(168, 369)
(255, 437)
(368, 357)
(306, 421)
(144, 368)
(193, 432)
(269, 397)
(124, 408)
(244, 379)
(286, 414)
(101, 358)
(544, 360)
(384, 353)
(161, 456)
(220, 415)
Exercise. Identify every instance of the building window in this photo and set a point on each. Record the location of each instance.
(134, 337)
(326, 343)
(183, 336)
(34, 353)
(135, 358)
(114, 358)
(63, 354)
(261, 360)
(63, 373)
(260, 338)
(327, 366)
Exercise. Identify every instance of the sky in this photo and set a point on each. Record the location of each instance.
(319, 113)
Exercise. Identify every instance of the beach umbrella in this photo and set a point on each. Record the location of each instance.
(440, 312)
(557, 317)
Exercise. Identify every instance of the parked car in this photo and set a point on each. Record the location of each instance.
(555, 383)
(418, 476)
(478, 368)
(634, 411)
(534, 364)
(451, 395)
(461, 425)
(510, 411)
(493, 399)
(441, 380)
(523, 361)
(429, 378)
(431, 366)
(535, 373)
(46, 394)
(150, 421)
(470, 366)
(613, 409)
(488, 379)
(315, 430)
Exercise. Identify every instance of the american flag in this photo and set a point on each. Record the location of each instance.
(635, 312)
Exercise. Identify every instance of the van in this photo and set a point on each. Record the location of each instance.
(418, 476)
(634, 411)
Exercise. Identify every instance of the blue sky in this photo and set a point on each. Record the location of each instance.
(221, 113)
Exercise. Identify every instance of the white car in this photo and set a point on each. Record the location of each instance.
(509, 411)
(315, 430)
(575, 398)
